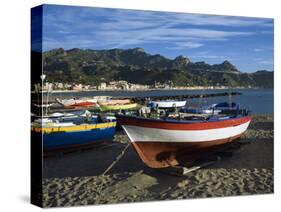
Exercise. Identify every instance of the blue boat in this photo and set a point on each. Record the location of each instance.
(63, 133)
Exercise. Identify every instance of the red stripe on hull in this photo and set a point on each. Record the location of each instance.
(203, 125)
(82, 104)
(165, 154)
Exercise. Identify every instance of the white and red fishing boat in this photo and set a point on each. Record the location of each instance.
(76, 102)
(166, 142)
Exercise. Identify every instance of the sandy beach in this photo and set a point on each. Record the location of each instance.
(76, 178)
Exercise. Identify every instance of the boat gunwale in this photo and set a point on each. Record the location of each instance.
(170, 101)
(178, 121)
(74, 128)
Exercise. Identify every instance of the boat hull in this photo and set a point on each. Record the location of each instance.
(165, 154)
(73, 137)
(161, 144)
(115, 102)
(77, 103)
(169, 104)
(81, 104)
(117, 107)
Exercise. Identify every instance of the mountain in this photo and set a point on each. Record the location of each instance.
(137, 66)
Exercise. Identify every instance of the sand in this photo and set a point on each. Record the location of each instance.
(76, 178)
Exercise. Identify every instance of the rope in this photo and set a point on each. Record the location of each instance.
(118, 158)
(100, 195)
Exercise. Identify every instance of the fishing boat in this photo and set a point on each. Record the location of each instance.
(226, 106)
(217, 108)
(73, 131)
(167, 104)
(165, 142)
(61, 115)
(43, 105)
(109, 102)
(109, 107)
(77, 103)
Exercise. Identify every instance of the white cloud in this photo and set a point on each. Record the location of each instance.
(187, 45)
(258, 50)
(216, 20)
(264, 61)
(209, 56)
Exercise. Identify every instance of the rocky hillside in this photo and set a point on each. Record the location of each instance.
(137, 66)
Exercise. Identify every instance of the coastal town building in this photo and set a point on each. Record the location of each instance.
(121, 85)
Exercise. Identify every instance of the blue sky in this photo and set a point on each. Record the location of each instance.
(245, 42)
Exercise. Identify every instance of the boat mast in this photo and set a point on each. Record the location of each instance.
(201, 98)
(49, 89)
(43, 76)
(229, 93)
(229, 97)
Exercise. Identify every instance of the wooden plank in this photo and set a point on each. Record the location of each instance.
(182, 170)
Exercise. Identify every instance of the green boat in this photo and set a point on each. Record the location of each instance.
(118, 107)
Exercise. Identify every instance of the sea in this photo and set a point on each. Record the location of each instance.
(258, 101)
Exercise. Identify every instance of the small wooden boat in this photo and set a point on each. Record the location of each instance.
(72, 132)
(164, 142)
(118, 107)
(110, 102)
(168, 104)
(77, 103)
(43, 105)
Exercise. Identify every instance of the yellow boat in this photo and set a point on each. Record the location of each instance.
(118, 107)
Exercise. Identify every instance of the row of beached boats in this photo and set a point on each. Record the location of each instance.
(163, 133)
(104, 103)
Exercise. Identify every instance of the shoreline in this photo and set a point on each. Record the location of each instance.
(146, 90)
(75, 179)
